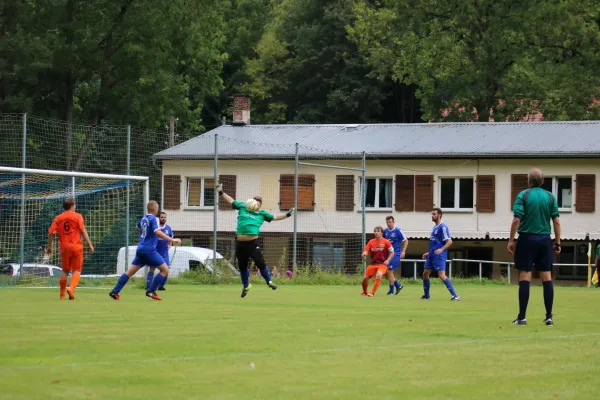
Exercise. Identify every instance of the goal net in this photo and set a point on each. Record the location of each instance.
(30, 200)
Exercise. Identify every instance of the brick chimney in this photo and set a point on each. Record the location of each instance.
(241, 109)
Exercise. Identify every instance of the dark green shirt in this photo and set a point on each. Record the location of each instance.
(535, 207)
(249, 223)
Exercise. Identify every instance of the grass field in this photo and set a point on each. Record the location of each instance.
(299, 342)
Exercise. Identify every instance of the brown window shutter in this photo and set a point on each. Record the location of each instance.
(585, 186)
(229, 187)
(306, 192)
(405, 192)
(486, 193)
(344, 193)
(172, 192)
(423, 192)
(518, 184)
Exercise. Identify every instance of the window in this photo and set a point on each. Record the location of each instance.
(456, 194)
(562, 188)
(330, 255)
(378, 193)
(572, 254)
(200, 192)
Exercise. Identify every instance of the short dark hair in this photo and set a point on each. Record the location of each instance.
(439, 210)
(68, 203)
(161, 213)
(258, 198)
(378, 228)
(390, 217)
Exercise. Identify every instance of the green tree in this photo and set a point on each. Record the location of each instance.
(510, 58)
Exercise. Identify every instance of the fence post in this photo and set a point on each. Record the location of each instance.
(479, 270)
(216, 200)
(127, 216)
(24, 165)
(363, 204)
(295, 233)
(414, 270)
(450, 270)
(508, 274)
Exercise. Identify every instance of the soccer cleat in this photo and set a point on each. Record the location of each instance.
(370, 295)
(161, 288)
(398, 289)
(115, 296)
(455, 298)
(246, 290)
(71, 294)
(389, 293)
(520, 321)
(548, 322)
(153, 296)
(363, 293)
(62, 297)
(272, 285)
(424, 297)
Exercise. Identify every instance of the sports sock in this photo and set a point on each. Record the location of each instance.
(523, 298)
(397, 283)
(265, 274)
(548, 297)
(450, 287)
(376, 285)
(426, 286)
(158, 280)
(149, 279)
(365, 285)
(165, 282)
(391, 288)
(245, 275)
(120, 283)
(75, 280)
(63, 286)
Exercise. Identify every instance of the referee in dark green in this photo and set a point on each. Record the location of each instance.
(533, 210)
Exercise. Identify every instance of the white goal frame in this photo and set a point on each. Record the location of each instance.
(73, 175)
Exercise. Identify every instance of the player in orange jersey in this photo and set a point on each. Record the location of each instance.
(69, 225)
(381, 252)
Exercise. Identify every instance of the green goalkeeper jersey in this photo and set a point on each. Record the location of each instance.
(249, 223)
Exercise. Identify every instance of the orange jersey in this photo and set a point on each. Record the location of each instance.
(68, 225)
(379, 250)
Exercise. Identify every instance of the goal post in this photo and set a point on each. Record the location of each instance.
(31, 198)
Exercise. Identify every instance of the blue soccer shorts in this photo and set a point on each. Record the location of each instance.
(436, 263)
(394, 263)
(151, 259)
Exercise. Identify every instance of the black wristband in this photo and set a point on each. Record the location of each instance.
(220, 193)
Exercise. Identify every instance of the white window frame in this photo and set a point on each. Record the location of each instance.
(456, 193)
(187, 193)
(377, 178)
(555, 190)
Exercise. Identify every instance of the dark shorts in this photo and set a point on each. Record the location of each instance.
(533, 250)
(246, 251)
(165, 257)
(151, 259)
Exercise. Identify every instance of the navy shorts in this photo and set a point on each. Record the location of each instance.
(151, 259)
(534, 250)
(394, 263)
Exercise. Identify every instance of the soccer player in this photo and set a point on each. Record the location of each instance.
(69, 226)
(162, 246)
(250, 219)
(381, 253)
(437, 255)
(146, 253)
(597, 265)
(533, 209)
(396, 237)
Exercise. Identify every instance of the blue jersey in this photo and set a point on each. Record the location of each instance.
(148, 239)
(439, 234)
(396, 237)
(163, 245)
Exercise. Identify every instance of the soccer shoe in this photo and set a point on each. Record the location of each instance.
(363, 293)
(115, 296)
(389, 293)
(425, 297)
(455, 298)
(272, 285)
(246, 290)
(153, 296)
(398, 289)
(548, 322)
(519, 322)
(162, 288)
(370, 295)
(71, 294)
(62, 297)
